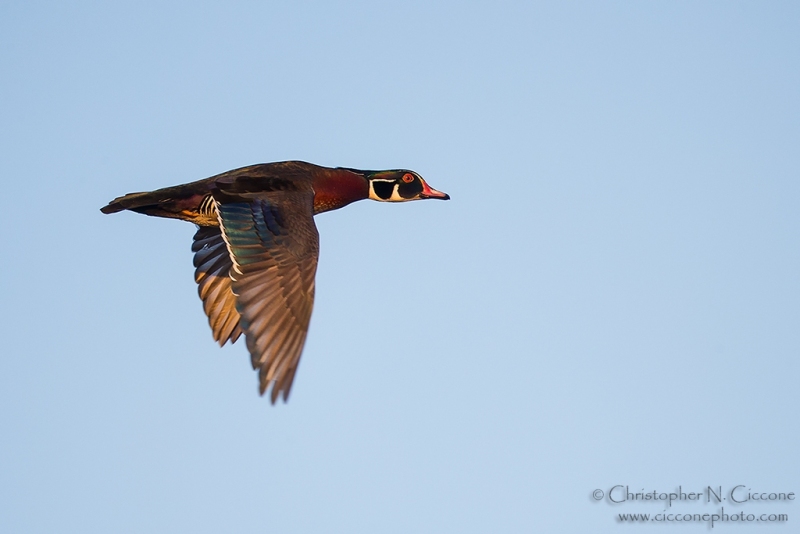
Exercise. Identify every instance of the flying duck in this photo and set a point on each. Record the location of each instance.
(256, 248)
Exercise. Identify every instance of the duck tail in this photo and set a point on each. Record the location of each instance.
(132, 201)
(179, 202)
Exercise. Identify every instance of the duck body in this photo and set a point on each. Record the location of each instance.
(256, 248)
(332, 189)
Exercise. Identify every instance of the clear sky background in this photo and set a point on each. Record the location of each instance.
(612, 296)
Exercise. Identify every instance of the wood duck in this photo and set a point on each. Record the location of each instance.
(256, 248)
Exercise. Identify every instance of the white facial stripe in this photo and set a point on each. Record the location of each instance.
(372, 194)
(396, 196)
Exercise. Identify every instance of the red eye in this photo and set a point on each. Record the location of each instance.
(408, 178)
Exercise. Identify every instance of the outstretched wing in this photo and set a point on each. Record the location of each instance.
(212, 273)
(274, 245)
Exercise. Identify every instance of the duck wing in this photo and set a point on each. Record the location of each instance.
(273, 246)
(213, 263)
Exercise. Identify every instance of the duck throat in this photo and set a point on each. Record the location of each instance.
(335, 188)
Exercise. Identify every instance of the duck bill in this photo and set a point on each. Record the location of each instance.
(429, 192)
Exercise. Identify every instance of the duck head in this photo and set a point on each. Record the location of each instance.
(400, 186)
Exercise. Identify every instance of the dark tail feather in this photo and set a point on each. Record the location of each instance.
(131, 201)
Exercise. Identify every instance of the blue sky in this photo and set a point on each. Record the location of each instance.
(610, 297)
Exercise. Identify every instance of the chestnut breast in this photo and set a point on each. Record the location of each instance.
(335, 188)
